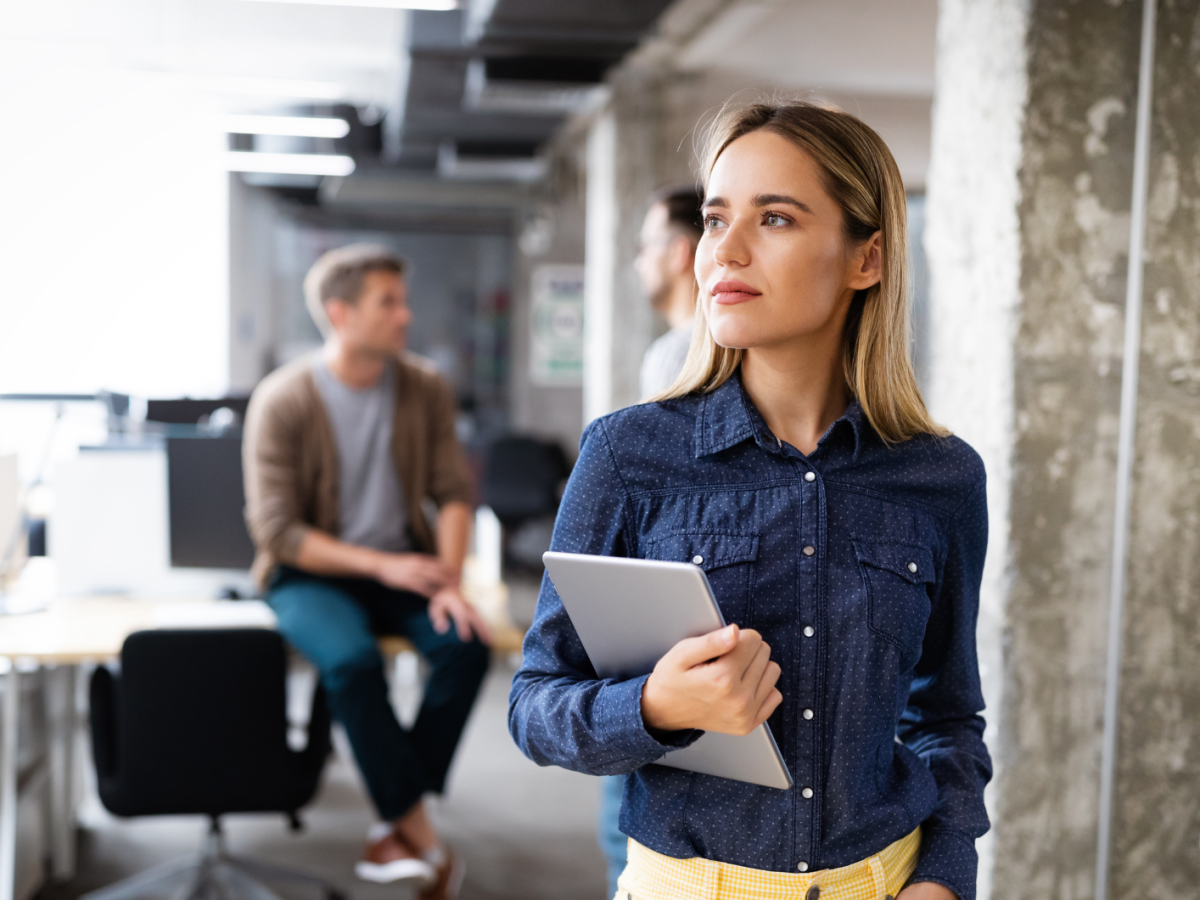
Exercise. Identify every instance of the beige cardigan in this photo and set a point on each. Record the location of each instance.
(291, 467)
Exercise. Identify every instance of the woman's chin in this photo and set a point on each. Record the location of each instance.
(737, 338)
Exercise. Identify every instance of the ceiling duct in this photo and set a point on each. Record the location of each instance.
(465, 166)
(484, 91)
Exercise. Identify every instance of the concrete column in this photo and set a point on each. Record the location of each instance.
(1157, 806)
(600, 260)
(622, 175)
(1029, 197)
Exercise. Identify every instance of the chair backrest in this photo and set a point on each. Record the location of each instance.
(197, 723)
(521, 478)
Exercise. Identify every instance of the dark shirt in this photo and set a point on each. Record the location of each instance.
(864, 580)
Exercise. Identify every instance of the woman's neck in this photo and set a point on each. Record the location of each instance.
(353, 368)
(800, 390)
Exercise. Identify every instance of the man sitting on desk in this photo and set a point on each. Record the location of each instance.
(342, 450)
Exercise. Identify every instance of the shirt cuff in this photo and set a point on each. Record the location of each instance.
(619, 711)
(948, 858)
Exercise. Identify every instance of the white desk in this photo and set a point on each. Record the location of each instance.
(70, 633)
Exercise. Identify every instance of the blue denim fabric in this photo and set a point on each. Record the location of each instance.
(889, 586)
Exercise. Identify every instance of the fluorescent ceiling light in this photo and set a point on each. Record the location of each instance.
(288, 163)
(438, 5)
(290, 126)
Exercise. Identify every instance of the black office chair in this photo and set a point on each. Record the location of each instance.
(522, 477)
(196, 723)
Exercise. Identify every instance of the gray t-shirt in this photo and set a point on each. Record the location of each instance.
(664, 360)
(370, 497)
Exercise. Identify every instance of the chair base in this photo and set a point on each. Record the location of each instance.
(213, 875)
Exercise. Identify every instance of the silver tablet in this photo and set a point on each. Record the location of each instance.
(628, 613)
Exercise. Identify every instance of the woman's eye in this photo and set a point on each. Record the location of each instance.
(774, 220)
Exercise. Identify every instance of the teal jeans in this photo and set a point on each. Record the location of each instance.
(333, 623)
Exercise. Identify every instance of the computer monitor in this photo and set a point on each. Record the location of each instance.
(187, 411)
(205, 501)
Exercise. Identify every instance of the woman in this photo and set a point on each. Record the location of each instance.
(843, 533)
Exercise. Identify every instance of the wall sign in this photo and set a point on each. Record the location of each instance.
(556, 321)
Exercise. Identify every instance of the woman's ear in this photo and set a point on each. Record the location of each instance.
(867, 263)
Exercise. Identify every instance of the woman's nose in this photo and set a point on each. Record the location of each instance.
(731, 248)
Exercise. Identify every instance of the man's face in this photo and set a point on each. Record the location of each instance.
(653, 261)
(378, 322)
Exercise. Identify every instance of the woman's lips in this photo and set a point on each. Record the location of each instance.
(730, 292)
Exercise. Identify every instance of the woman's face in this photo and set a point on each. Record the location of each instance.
(773, 265)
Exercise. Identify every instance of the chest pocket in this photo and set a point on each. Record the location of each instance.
(727, 561)
(897, 578)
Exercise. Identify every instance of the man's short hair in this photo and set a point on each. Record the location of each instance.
(683, 208)
(340, 273)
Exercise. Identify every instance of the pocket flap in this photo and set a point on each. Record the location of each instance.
(911, 562)
(713, 550)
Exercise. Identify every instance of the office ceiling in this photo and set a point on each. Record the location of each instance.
(487, 85)
(877, 48)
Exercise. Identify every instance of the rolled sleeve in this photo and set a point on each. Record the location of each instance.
(942, 722)
(270, 459)
(450, 479)
(948, 857)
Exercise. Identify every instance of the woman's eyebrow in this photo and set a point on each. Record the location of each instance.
(761, 200)
(768, 199)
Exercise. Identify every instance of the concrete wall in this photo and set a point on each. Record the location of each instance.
(1029, 198)
(1157, 817)
(548, 412)
(624, 170)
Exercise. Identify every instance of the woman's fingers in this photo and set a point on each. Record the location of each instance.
(758, 665)
(769, 705)
(691, 652)
(766, 682)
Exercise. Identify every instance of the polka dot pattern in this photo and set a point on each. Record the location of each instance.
(863, 578)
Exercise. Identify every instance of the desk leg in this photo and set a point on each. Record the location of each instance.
(10, 706)
(62, 721)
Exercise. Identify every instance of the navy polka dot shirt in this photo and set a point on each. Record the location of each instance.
(859, 564)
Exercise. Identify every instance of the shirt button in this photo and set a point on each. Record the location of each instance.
(809, 550)
(697, 559)
(809, 631)
(806, 793)
(802, 866)
(810, 476)
(912, 567)
(808, 714)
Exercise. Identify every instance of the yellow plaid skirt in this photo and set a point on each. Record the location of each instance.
(652, 876)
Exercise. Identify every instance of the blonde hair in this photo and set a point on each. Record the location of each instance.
(862, 178)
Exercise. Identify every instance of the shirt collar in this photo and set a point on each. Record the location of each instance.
(728, 417)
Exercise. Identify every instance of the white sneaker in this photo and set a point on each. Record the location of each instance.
(388, 859)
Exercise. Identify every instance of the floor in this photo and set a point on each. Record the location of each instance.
(525, 833)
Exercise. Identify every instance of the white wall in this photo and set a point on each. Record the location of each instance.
(114, 225)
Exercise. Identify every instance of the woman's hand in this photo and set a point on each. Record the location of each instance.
(926, 890)
(722, 681)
